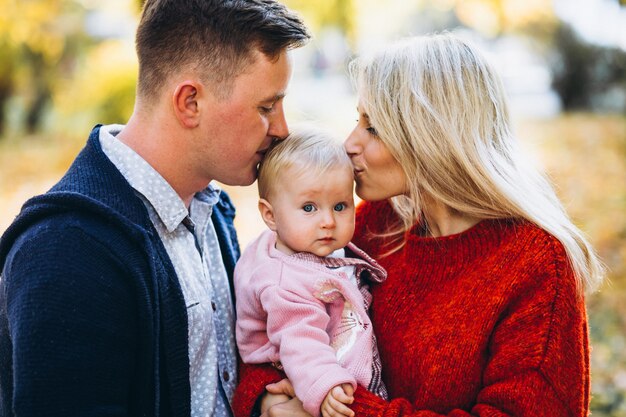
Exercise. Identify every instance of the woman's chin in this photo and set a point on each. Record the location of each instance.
(369, 194)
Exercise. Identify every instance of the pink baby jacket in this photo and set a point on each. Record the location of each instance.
(294, 310)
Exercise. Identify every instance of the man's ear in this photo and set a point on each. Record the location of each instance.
(185, 101)
(267, 213)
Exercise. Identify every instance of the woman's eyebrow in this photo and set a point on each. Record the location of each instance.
(365, 115)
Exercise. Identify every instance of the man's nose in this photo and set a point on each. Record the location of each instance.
(278, 124)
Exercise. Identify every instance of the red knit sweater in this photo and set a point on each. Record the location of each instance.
(483, 323)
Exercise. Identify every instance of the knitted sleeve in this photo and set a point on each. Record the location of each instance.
(72, 323)
(297, 325)
(252, 382)
(538, 357)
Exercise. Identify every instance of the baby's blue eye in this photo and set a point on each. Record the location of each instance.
(308, 208)
(340, 207)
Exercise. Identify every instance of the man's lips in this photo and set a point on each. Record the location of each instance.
(261, 153)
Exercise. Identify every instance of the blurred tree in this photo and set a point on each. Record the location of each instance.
(587, 76)
(7, 60)
(6, 78)
(40, 41)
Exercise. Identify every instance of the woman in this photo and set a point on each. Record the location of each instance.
(483, 311)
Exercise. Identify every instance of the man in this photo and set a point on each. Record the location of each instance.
(116, 295)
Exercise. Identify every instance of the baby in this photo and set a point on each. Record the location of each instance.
(302, 286)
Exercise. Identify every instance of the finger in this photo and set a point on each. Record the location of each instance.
(328, 411)
(283, 386)
(275, 388)
(340, 395)
(339, 408)
(291, 408)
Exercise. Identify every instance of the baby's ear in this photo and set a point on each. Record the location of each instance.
(267, 213)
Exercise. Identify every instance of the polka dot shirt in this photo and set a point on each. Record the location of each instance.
(191, 243)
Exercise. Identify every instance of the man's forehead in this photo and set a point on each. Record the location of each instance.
(269, 78)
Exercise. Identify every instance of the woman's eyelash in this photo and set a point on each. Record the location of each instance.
(370, 129)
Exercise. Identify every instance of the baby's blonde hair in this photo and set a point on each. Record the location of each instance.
(307, 149)
(440, 109)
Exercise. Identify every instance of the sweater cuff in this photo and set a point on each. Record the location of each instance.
(367, 404)
(253, 379)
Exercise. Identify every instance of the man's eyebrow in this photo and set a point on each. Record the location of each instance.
(274, 98)
(365, 115)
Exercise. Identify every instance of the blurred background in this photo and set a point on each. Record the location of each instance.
(66, 65)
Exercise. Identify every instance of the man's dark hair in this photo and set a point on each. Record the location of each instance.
(216, 37)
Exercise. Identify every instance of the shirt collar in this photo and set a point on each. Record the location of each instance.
(148, 182)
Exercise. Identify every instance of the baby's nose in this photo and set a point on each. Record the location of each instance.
(328, 220)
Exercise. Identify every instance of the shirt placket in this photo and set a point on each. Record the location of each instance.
(184, 247)
(224, 310)
(202, 342)
(223, 319)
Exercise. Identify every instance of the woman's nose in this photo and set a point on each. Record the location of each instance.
(351, 144)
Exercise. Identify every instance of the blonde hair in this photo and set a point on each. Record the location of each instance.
(440, 109)
(307, 149)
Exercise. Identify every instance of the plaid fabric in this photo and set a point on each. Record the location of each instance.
(377, 386)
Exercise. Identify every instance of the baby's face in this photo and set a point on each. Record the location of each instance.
(314, 213)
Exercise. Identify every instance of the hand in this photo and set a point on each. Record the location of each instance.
(334, 403)
(277, 393)
(270, 400)
(291, 408)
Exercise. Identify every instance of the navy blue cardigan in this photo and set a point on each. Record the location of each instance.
(92, 317)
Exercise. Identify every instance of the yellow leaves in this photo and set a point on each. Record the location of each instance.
(358, 17)
(492, 17)
(480, 15)
(34, 24)
(7, 17)
(104, 85)
(585, 156)
(320, 13)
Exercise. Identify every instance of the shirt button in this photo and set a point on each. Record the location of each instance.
(226, 376)
(213, 306)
